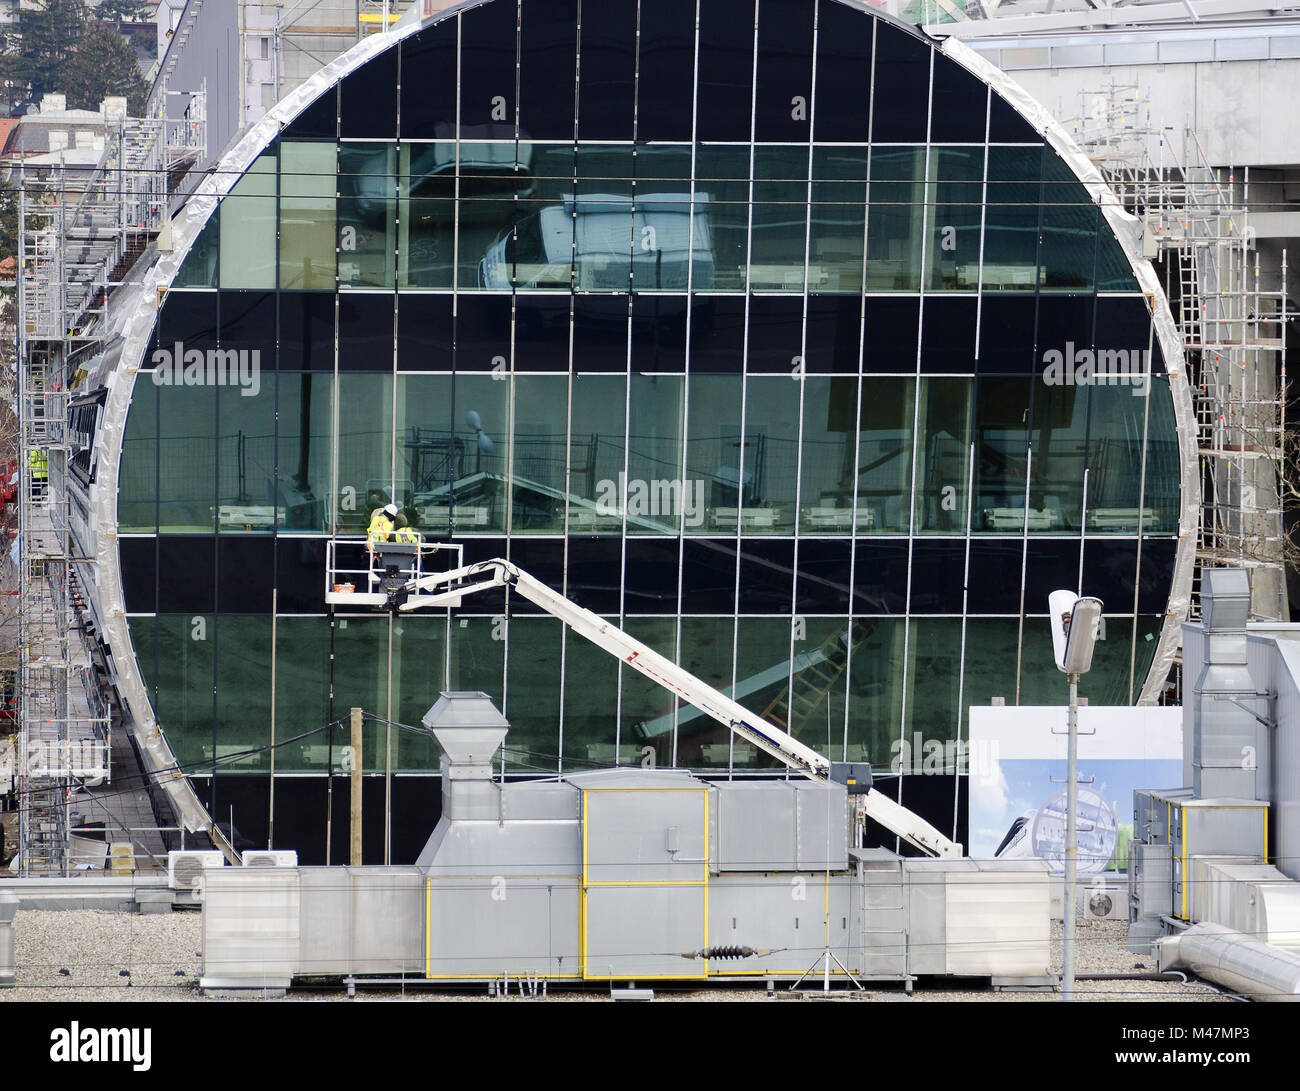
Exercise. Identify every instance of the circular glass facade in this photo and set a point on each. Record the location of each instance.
(777, 337)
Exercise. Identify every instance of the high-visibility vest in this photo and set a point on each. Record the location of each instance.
(406, 534)
(381, 527)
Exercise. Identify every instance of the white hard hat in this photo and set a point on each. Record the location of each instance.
(390, 510)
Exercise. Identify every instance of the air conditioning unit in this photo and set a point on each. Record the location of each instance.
(271, 858)
(1108, 903)
(185, 868)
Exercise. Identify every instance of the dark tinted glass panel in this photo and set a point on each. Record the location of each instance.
(880, 577)
(667, 54)
(650, 578)
(186, 574)
(948, 334)
(938, 573)
(300, 575)
(1064, 325)
(659, 333)
(1109, 572)
(903, 87)
(717, 334)
(487, 71)
(890, 336)
(785, 47)
(1006, 126)
(838, 219)
(247, 569)
(137, 496)
(1049, 564)
(958, 112)
(540, 557)
(248, 321)
(709, 575)
(541, 334)
(775, 335)
(600, 330)
(429, 83)
(1007, 335)
(1155, 576)
(933, 798)
(843, 101)
(188, 317)
(424, 333)
(1123, 324)
(766, 577)
(726, 70)
(547, 61)
(304, 450)
(834, 331)
(320, 119)
(1012, 220)
(995, 577)
(139, 574)
(595, 572)
(1001, 454)
(366, 332)
(368, 99)
(607, 92)
(306, 331)
(1068, 253)
(489, 603)
(243, 800)
(822, 586)
(482, 333)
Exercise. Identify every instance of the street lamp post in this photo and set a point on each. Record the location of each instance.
(1076, 625)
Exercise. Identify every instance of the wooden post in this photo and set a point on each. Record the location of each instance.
(356, 787)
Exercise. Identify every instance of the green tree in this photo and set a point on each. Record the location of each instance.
(102, 63)
(60, 46)
(38, 47)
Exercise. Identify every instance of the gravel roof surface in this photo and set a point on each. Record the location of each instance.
(92, 955)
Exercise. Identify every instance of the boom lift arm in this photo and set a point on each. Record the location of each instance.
(448, 588)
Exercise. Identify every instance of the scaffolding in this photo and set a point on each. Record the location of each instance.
(80, 231)
(1233, 330)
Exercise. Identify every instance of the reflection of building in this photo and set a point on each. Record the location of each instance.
(768, 388)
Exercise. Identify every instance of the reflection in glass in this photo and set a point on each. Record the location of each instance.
(654, 472)
(896, 219)
(771, 464)
(307, 214)
(540, 444)
(597, 450)
(1001, 451)
(1011, 220)
(364, 450)
(715, 493)
(828, 450)
(427, 215)
(885, 455)
(956, 194)
(246, 500)
(248, 228)
(839, 202)
(780, 219)
(367, 214)
(943, 456)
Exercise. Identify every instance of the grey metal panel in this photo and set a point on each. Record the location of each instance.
(361, 920)
(1183, 50)
(1241, 49)
(250, 925)
(794, 916)
(753, 827)
(1285, 785)
(1078, 56)
(821, 826)
(1228, 827)
(512, 848)
(1151, 880)
(635, 932)
(1131, 52)
(485, 926)
(927, 918)
(645, 835)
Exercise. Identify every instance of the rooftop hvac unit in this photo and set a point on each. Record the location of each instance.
(1105, 904)
(185, 868)
(271, 858)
